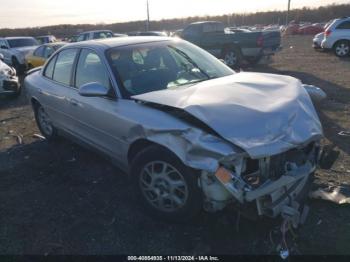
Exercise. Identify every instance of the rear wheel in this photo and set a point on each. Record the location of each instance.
(342, 48)
(44, 123)
(232, 57)
(166, 187)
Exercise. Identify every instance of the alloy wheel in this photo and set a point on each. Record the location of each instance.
(163, 186)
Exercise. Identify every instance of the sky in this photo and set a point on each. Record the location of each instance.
(30, 13)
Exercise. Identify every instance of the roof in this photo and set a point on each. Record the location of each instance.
(120, 41)
(206, 22)
(17, 37)
(42, 36)
(94, 31)
(55, 44)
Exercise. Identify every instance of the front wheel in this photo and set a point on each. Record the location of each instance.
(166, 187)
(342, 48)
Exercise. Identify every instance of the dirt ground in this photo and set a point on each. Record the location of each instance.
(63, 199)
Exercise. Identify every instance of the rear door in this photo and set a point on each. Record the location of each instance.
(56, 91)
(343, 30)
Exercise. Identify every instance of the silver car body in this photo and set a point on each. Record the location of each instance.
(336, 34)
(235, 119)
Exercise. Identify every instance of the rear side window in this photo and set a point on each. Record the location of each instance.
(48, 51)
(83, 37)
(64, 66)
(91, 69)
(49, 68)
(213, 27)
(102, 35)
(344, 25)
(39, 51)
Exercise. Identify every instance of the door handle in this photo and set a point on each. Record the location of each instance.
(74, 102)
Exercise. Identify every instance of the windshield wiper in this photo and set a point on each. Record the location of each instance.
(191, 61)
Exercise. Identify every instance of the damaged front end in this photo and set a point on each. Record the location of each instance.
(275, 184)
(9, 82)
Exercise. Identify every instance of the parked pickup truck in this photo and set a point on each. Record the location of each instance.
(233, 47)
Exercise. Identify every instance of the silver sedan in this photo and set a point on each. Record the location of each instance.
(192, 133)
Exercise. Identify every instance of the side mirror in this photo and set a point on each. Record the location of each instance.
(4, 47)
(1, 57)
(93, 90)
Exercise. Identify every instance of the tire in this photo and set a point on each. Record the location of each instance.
(342, 48)
(44, 123)
(172, 195)
(232, 57)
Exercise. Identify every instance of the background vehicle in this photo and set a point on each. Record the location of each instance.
(46, 39)
(9, 83)
(192, 133)
(97, 34)
(148, 33)
(15, 49)
(234, 47)
(41, 54)
(317, 41)
(70, 39)
(337, 37)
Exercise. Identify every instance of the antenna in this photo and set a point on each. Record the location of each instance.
(288, 11)
(147, 24)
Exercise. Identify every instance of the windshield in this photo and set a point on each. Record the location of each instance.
(162, 65)
(21, 42)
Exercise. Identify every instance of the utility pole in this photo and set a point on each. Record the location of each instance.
(147, 24)
(287, 19)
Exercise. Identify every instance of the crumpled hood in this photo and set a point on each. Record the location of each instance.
(264, 114)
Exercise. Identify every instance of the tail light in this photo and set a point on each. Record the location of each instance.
(260, 41)
(327, 33)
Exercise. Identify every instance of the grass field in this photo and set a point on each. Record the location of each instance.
(63, 199)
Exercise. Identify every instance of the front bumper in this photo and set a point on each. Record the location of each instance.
(316, 45)
(10, 86)
(282, 182)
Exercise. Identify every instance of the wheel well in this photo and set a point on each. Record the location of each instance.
(34, 102)
(137, 146)
(229, 47)
(341, 40)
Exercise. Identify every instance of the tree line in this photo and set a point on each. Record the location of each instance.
(320, 14)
